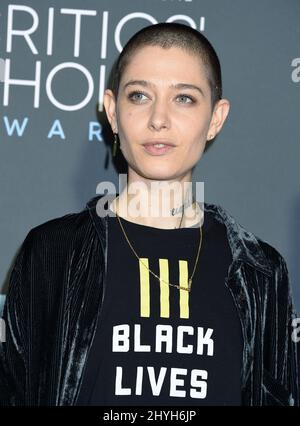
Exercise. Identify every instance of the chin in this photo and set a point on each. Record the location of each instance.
(154, 171)
(159, 175)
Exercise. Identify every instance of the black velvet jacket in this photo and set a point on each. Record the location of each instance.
(56, 291)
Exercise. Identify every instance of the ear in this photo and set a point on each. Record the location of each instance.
(219, 115)
(110, 105)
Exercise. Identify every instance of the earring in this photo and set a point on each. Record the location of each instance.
(210, 137)
(115, 145)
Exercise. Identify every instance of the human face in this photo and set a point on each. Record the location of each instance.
(164, 96)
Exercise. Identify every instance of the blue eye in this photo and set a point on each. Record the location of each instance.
(136, 96)
(189, 99)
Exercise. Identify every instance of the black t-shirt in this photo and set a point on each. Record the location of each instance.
(156, 344)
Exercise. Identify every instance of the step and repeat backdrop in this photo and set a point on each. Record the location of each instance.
(55, 148)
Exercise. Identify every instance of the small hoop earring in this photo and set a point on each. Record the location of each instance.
(115, 145)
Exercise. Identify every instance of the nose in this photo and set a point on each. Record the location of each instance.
(159, 117)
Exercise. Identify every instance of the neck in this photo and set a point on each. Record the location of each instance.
(158, 205)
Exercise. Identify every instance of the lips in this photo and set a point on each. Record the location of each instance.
(158, 150)
(158, 142)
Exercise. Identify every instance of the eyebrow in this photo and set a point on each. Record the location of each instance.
(172, 86)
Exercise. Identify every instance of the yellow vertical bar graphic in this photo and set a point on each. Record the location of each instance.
(144, 288)
(164, 288)
(184, 294)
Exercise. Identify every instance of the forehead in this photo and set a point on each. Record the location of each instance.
(155, 62)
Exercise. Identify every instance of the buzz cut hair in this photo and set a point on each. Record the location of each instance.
(167, 35)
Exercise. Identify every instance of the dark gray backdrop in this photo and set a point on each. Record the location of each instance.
(252, 167)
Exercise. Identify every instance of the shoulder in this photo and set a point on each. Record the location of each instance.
(278, 265)
(57, 235)
(273, 255)
(246, 245)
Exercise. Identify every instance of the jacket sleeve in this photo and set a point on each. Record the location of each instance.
(13, 351)
(287, 365)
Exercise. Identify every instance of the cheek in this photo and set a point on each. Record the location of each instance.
(127, 118)
(130, 131)
(133, 128)
(194, 122)
(194, 133)
(125, 123)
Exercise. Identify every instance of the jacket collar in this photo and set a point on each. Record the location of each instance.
(244, 244)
